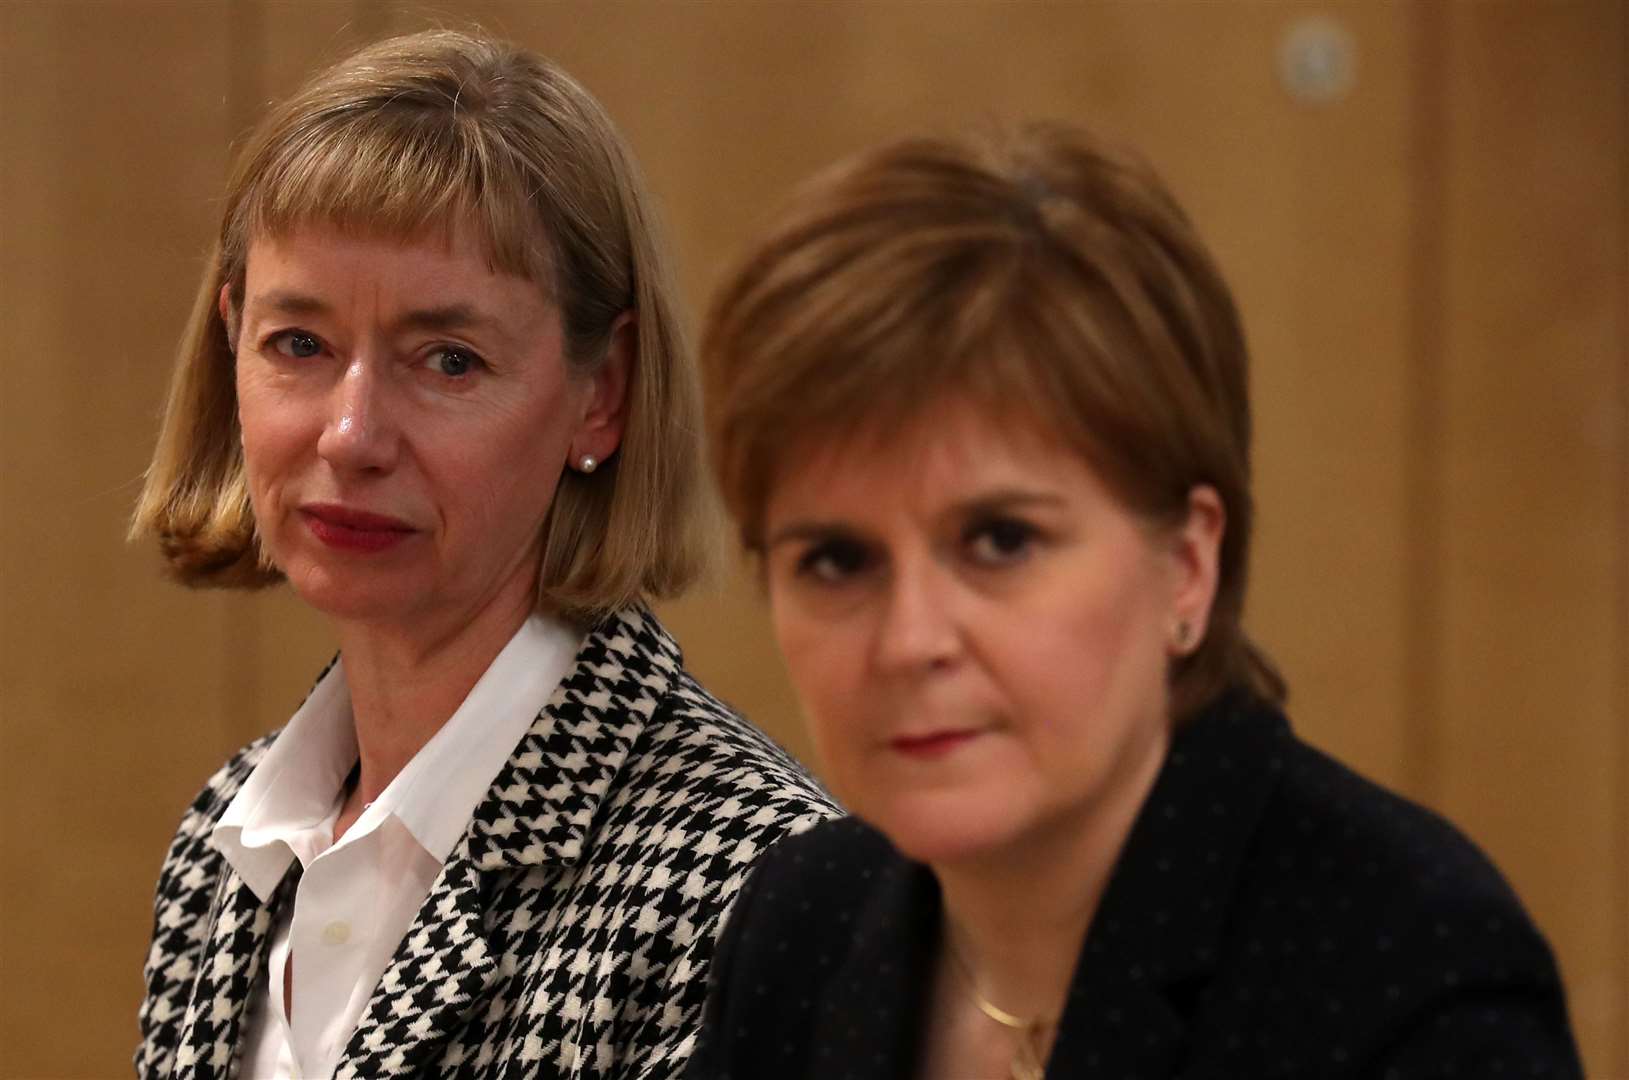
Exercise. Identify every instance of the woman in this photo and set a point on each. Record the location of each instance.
(979, 406)
(434, 381)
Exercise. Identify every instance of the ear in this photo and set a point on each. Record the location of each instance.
(229, 317)
(605, 405)
(1196, 548)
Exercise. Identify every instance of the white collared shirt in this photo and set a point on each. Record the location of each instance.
(357, 898)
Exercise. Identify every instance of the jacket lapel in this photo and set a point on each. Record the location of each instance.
(541, 808)
(538, 812)
(1153, 944)
(438, 974)
(884, 979)
(235, 951)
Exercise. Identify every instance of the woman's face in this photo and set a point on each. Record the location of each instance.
(406, 413)
(978, 631)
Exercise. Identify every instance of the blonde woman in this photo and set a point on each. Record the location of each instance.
(434, 382)
(979, 406)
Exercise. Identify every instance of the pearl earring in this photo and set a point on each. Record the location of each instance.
(587, 463)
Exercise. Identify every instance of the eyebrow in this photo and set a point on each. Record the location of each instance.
(457, 316)
(986, 503)
(1005, 499)
(807, 531)
(445, 317)
(287, 302)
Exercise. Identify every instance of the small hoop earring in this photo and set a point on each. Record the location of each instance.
(587, 463)
(1183, 630)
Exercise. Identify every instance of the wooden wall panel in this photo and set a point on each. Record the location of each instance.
(729, 105)
(113, 681)
(1435, 569)
(1534, 437)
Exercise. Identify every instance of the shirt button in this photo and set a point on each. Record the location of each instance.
(336, 933)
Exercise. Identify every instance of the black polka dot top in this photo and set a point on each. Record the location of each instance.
(1273, 915)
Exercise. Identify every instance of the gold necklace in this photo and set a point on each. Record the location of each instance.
(1027, 1062)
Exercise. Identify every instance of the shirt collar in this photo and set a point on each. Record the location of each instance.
(293, 788)
(435, 794)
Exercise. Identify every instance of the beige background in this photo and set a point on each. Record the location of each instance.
(1434, 270)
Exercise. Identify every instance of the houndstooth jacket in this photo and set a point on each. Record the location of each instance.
(571, 929)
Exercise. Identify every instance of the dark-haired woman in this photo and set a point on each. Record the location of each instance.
(980, 408)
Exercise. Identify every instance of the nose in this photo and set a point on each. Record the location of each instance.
(359, 433)
(919, 632)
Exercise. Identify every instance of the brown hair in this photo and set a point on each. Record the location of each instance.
(412, 135)
(1032, 269)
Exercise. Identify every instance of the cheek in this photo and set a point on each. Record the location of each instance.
(1129, 679)
(793, 636)
(1098, 654)
(270, 438)
(271, 409)
(495, 488)
(484, 497)
(825, 665)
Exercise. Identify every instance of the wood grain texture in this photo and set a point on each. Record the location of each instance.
(1533, 441)
(1433, 272)
(729, 105)
(114, 681)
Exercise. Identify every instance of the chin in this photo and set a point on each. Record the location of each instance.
(343, 597)
(946, 826)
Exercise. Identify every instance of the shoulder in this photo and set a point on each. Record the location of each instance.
(1376, 855)
(829, 910)
(1296, 818)
(704, 791)
(181, 906)
(729, 758)
(691, 798)
(832, 868)
(192, 864)
(704, 764)
(206, 808)
(813, 897)
(688, 753)
(190, 852)
(223, 786)
(695, 788)
(1375, 923)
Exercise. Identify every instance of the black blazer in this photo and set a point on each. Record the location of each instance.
(1273, 915)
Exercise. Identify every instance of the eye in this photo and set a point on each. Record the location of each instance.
(296, 344)
(1000, 541)
(453, 361)
(834, 561)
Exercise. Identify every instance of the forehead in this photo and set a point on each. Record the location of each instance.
(321, 266)
(947, 452)
(315, 248)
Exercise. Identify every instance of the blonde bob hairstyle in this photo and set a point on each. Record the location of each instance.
(1033, 270)
(411, 137)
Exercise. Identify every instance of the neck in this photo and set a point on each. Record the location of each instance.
(1017, 916)
(406, 683)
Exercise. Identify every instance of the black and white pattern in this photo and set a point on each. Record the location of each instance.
(571, 930)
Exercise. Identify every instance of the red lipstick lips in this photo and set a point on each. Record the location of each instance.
(935, 745)
(354, 530)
